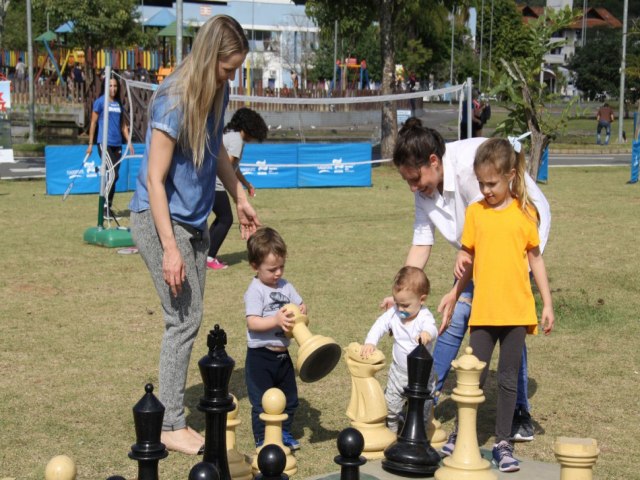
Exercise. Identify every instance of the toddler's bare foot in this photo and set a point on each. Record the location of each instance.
(181, 441)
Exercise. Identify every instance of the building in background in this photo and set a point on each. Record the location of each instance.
(282, 38)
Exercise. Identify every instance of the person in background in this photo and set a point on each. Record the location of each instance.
(246, 125)
(116, 132)
(605, 117)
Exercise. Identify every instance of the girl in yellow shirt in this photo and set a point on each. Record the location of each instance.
(499, 244)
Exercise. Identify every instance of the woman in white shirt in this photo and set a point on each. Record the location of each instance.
(444, 184)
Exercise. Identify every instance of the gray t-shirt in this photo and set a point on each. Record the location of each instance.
(264, 301)
(234, 145)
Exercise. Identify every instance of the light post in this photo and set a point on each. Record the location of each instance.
(30, 74)
(490, 44)
(481, 34)
(622, 70)
(178, 32)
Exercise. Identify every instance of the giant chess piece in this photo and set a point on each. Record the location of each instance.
(577, 456)
(367, 408)
(317, 355)
(274, 403)
(215, 369)
(412, 454)
(350, 444)
(271, 462)
(466, 463)
(148, 449)
(60, 467)
(204, 471)
(436, 435)
(238, 466)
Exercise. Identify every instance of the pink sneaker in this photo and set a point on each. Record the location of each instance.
(215, 264)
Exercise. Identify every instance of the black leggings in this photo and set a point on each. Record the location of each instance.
(482, 341)
(222, 224)
(114, 154)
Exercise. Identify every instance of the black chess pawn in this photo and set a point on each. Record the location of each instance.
(271, 462)
(204, 471)
(215, 369)
(412, 454)
(350, 445)
(148, 450)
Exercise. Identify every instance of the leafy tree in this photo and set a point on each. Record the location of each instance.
(98, 23)
(507, 36)
(399, 21)
(525, 95)
(593, 75)
(16, 14)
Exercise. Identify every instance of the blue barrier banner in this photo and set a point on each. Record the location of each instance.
(543, 168)
(635, 160)
(268, 157)
(328, 165)
(64, 164)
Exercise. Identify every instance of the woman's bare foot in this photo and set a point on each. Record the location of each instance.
(181, 441)
(196, 434)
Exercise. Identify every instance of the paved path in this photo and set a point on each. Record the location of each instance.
(529, 470)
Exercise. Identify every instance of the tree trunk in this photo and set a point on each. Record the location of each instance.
(388, 128)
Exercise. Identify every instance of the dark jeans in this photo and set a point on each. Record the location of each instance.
(114, 154)
(265, 369)
(222, 224)
(483, 340)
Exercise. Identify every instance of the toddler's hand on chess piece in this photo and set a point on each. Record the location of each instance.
(424, 338)
(303, 308)
(284, 318)
(367, 349)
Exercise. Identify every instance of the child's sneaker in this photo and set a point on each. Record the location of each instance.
(289, 441)
(447, 448)
(215, 264)
(503, 458)
(521, 428)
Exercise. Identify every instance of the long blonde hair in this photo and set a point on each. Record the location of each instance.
(500, 153)
(194, 82)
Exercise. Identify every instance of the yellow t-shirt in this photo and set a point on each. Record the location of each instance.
(499, 240)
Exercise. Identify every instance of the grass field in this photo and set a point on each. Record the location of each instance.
(80, 325)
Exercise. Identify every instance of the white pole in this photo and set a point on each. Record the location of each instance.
(335, 53)
(105, 127)
(622, 70)
(32, 121)
(178, 32)
(453, 27)
(490, 44)
(469, 112)
(481, 35)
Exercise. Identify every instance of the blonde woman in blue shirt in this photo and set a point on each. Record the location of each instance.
(174, 194)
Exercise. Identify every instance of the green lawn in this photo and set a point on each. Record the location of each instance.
(81, 325)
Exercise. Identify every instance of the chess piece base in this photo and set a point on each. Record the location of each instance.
(317, 358)
(411, 459)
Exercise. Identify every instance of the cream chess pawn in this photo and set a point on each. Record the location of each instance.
(273, 403)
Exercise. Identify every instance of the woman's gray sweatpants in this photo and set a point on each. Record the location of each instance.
(182, 314)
